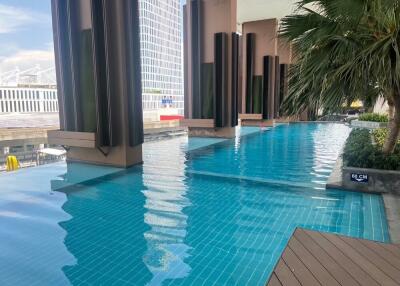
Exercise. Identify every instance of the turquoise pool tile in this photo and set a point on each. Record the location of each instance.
(211, 212)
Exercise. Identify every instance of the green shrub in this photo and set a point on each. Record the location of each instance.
(375, 117)
(361, 153)
(380, 136)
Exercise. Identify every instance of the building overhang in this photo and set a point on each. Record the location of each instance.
(252, 10)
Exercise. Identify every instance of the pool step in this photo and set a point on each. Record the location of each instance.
(256, 180)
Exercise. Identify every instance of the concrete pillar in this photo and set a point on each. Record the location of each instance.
(265, 63)
(211, 53)
(259, 67)
(98, 80)
(285, 60)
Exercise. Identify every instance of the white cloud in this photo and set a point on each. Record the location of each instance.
(27, 59)
(7, 48)
(13, 18)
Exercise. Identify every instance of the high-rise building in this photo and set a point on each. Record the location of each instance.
(28, 99)
(161, 55)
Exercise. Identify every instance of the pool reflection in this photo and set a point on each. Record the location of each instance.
(220, 214)
(130, 227)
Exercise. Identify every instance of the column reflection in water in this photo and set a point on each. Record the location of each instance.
(165, 199)
(105, 231)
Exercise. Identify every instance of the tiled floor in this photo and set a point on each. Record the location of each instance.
(163, 224)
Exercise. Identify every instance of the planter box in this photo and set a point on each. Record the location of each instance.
(368, 124)
(371, 180)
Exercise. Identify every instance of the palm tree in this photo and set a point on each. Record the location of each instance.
(345, 50)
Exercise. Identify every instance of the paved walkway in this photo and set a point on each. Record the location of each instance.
(314, 258)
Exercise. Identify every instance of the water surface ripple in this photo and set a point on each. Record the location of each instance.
(192, 214)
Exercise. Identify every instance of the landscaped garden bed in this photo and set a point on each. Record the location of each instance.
(366, 167)
(374, 117)
(363, 149)
(371, 121)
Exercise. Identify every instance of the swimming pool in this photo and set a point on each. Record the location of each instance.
(197, 212)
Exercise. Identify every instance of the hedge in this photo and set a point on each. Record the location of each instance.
(374, 117)
(380, 136)
(360, 152)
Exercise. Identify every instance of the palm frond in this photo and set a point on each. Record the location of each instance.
(345, 50)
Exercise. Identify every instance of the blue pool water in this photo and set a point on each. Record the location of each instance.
(197, 212)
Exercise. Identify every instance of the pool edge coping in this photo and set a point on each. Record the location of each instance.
(391, 202)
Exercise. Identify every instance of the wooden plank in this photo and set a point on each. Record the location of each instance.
(317, 259)
(199, 123)
(340, 274)
(258, 123)
(393, 248)
(285, 275)
(383, 252)
(250, 116)
(367, 266)
(72, 142)
(71, 135)
(357, 272)
(370, 255)
(299, 270)
(319, 272)
(274, 281)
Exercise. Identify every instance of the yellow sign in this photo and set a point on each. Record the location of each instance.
(12, 163)
(357, 104)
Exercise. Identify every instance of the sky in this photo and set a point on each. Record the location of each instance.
(26, 37)
(26, 31)
(26, 34)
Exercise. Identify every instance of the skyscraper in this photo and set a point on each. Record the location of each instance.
(161, 54)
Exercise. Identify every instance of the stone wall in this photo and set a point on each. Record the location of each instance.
(368, 124)
(371, 180)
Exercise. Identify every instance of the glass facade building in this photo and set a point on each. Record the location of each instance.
(161, 54)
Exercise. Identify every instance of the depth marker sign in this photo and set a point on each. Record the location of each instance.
(359, 178)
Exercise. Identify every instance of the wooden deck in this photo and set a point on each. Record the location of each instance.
(314, 258)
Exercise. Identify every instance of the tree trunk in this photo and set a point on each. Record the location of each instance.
(390, 109)
(393, 125)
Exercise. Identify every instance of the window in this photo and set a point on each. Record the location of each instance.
(16, 149)
(30, 147)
